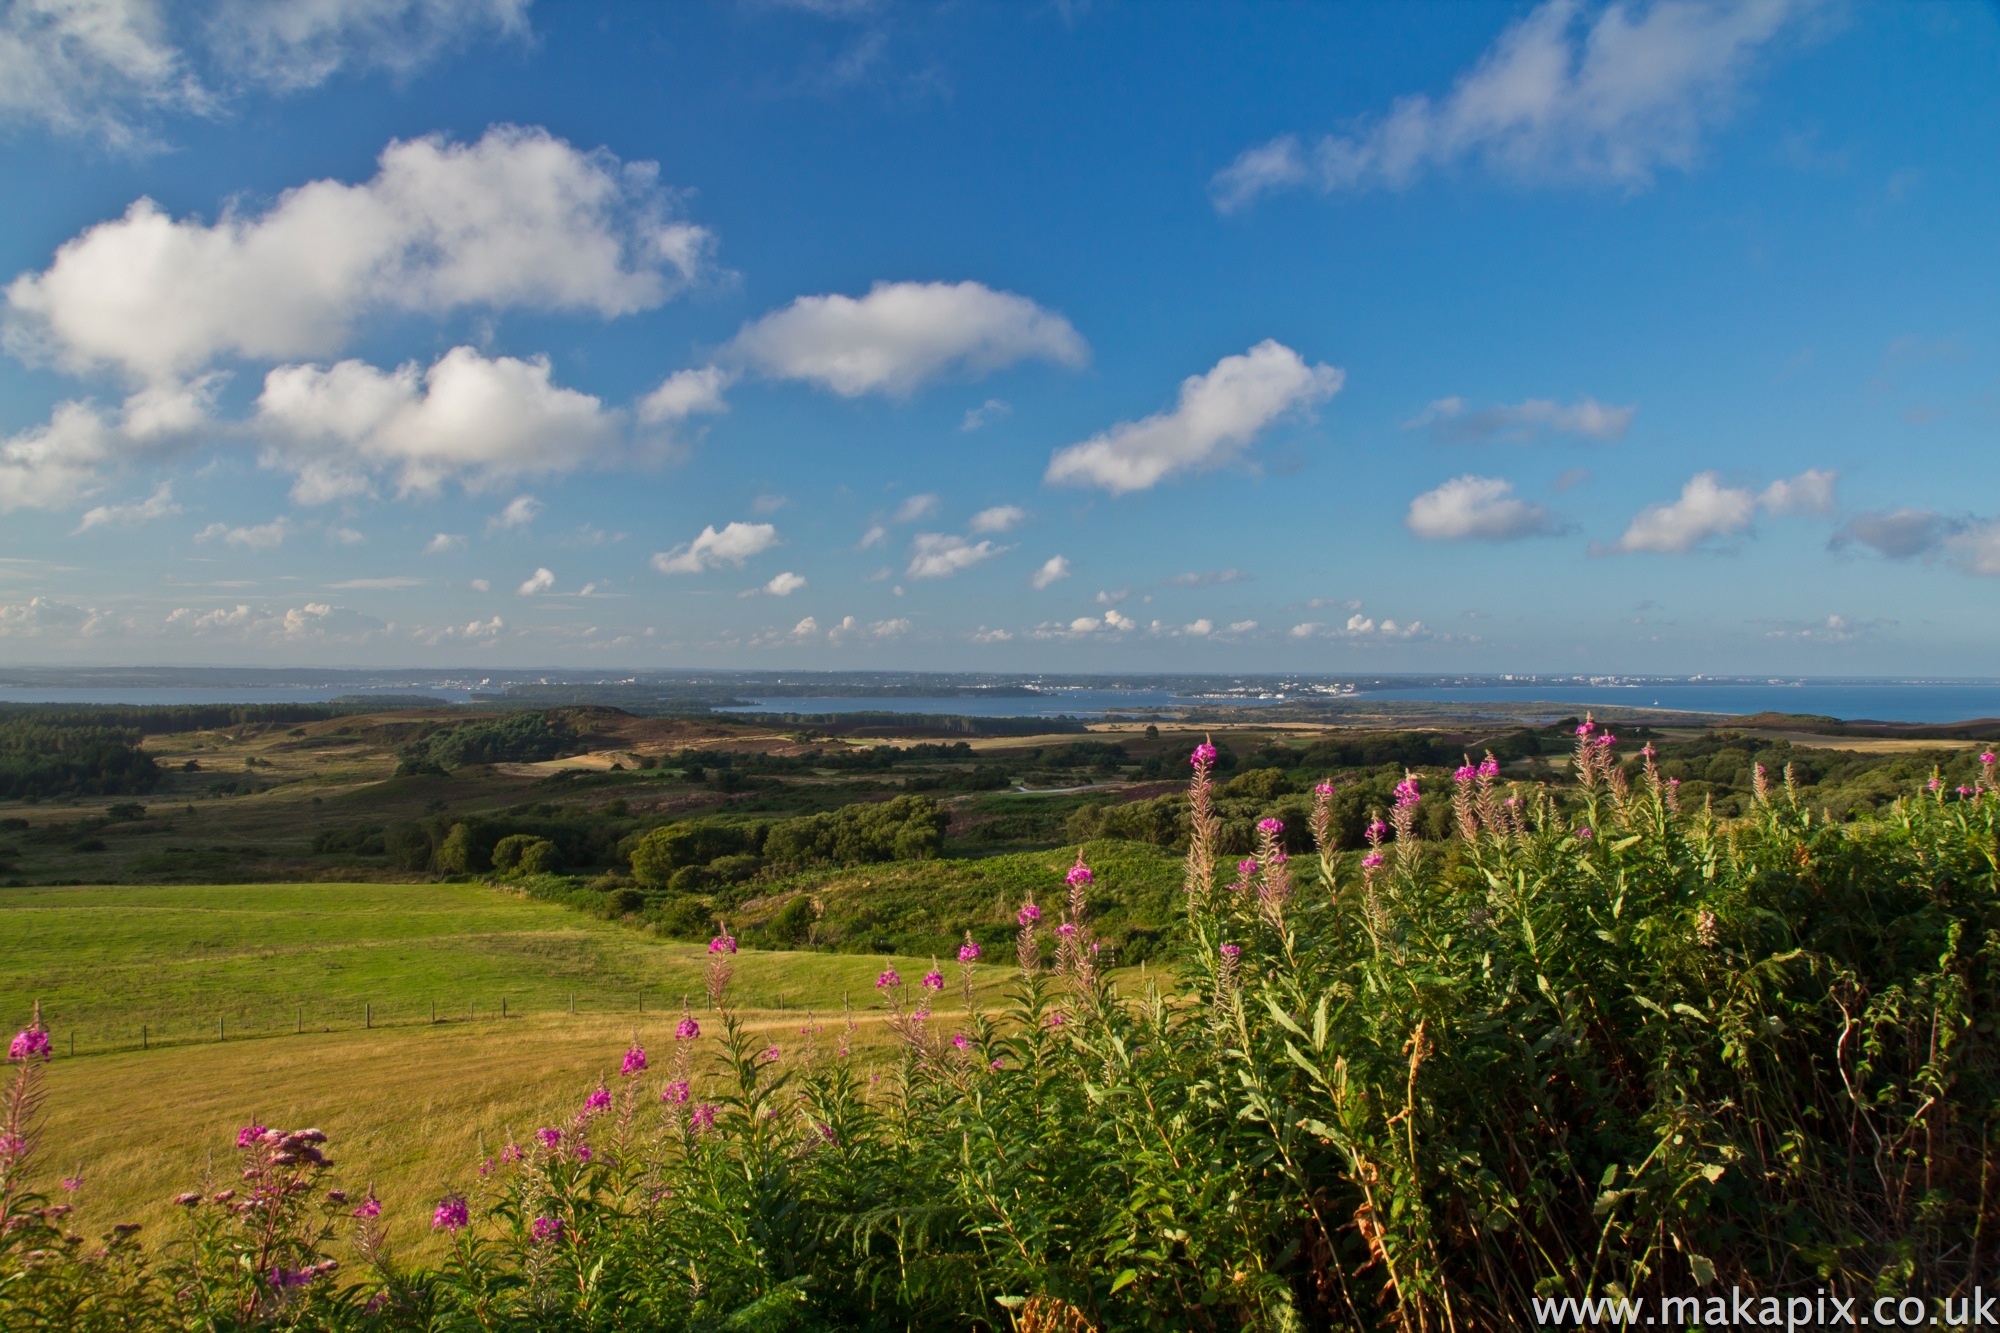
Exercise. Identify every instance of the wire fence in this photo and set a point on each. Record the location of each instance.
(266, 1021)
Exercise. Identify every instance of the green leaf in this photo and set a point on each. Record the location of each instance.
(1124, 1280)
(1704, 1270)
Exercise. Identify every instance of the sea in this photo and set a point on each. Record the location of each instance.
(1878, 700)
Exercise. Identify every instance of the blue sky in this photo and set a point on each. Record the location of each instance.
(1071, 336)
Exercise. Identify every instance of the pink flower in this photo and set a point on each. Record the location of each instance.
(1246, 867)
(933, 980)
(1203, 756)
(1067, 929)
(722, 944)
(551, 1139)
(1079, 876)
(1489, 767)
(1932, 785)
(675, 1093)
(1406, 793)
(1377, 828)
(686, 1030)
(1586, 729)
(1965, 791)
(1987, 759)
(890, 977)
(369, 1207)
(11, 1147)
(583, 1152)
(1370, 861)
(1056, 1018)
(1271, 826)
(512, 1153)
(451, 1215)
(995, 1066)
(1323, 789)
(1584, 834)
(188, 1200)
(770, 1053)
(72, 1183)
(1464, 774)
(545, 1229)
(1029, 914)
(598, 1100)
(968, 952)
(29, 1043)
(248, 1135)
(1232, 952)
(704, 1116)
(961, 1041)
(635, 1061)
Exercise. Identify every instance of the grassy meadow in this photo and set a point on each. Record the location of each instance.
(411, 1106)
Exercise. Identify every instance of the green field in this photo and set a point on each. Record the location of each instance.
(105, 962)
(412, 1106)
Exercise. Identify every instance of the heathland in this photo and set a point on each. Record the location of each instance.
(244, 917)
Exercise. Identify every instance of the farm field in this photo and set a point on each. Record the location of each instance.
(411, 1106)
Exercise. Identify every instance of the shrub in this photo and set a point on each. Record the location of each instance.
(904, 828)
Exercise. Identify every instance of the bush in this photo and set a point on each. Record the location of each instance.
(905, 828)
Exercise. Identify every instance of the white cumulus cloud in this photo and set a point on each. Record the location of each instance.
(1451, 421)
(684, 394)
(540, 581)
(477, 419)
(1000, 518)
(444, 543)
(938, 555)
(1217, 415)
(519, 513)
(731, 546)
(518, 219)
(1810, 494)
(1603, 95)
(916, 507)
(785, 584)
(902, 334)
(1707, 509)
(1053, 569)
(1480, 508)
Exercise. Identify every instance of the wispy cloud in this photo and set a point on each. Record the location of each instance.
(160, 504)
(1604, 96)
(1452, 421)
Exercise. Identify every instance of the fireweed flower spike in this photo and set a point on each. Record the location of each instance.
(248, 1135)
(960, 1041)
(451, 1215)
(1079, 875)
(598, 1100)
(1029, 914)
(933, 979)
(635, 1061)
(675, 1094)
(33, 1043)
(1203, 756)
(551, 1139)
(704, 1117)
(890, 977)
(968, 952)
(545, 1229)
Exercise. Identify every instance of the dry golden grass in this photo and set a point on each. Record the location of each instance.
(411, 1110)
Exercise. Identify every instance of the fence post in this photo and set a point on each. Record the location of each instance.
(367, 1015)
(434, 1011)
(302, 1018)
(221, 1030)
(143, 1043)
(72, 1043)
(503, 1006)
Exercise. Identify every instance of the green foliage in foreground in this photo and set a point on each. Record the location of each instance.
(1597, 1049)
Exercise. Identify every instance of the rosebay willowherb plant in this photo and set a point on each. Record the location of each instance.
(1595, 1045)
